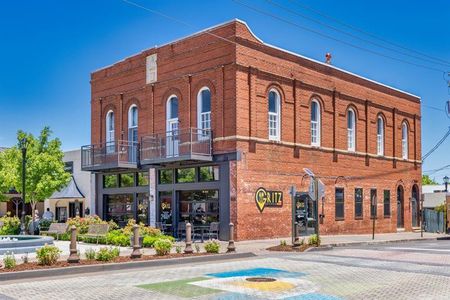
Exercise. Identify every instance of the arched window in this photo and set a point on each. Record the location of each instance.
(133, 132)
(274, 115)
(380, 136)
(404, 140)
(315, 123)
(110, 132)
(351, 132)
(204, 111)
(172, 126)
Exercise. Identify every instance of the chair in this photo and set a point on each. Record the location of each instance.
(56, 229)
(213, 230)
(181, 230)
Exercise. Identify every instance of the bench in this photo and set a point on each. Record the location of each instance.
(56, 228)
(97, 231)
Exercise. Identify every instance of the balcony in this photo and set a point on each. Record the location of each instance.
(190, 144)
(117, 155)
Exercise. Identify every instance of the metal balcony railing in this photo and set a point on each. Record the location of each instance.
(110, 155)
(177, 145)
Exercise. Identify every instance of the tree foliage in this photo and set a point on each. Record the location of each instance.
(45, 172)
(427, 180)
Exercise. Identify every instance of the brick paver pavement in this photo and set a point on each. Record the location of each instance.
(338, 274)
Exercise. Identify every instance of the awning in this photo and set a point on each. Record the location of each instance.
(71, 191)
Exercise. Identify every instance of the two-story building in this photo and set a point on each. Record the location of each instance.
(218, 126)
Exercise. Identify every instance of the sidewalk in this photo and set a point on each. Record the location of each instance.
(256, 246)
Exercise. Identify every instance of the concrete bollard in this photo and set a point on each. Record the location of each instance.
(297, 242)
(188, 248)
(73, 257)
(136, 247)
(231, 247)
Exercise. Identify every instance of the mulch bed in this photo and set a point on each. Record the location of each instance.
(83, 262)
(289, 248)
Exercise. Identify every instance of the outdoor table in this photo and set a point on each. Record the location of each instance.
(202, 229)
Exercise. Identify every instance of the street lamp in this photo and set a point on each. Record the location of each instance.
(446, 183)
(23, 147)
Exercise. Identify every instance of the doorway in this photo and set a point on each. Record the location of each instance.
(400, 206)
(415, 209)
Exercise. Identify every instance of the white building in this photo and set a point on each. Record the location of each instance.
(78, 197)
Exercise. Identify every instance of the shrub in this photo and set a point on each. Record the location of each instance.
(163, 246)
(178, 249)
(82, 224)
(117, 238)
(90, 254)
(44, 224)
(212, 246)
(11, 225)
(25, 258)
(93, 240)
(314, 240)
(149, 241)
(283, 243)
(48, 255)
(143, 229)
(197, 248)
(9, 261)
(107, 254)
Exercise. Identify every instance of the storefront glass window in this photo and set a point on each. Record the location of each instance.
(126, 180)
(143, 179)
(199, 207)
(165, 208)
(110, 181)
(119, 208)
(142, 208)
(165, 176)
(210, 173)
(185, 175)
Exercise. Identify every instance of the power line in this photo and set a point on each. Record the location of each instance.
(365, 32)
(431, 172)
(333, 38)
(353, 35)
(437, 145)
(433, 107)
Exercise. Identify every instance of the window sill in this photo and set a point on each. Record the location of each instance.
(359, 218)
(387, 217)
(339, 219)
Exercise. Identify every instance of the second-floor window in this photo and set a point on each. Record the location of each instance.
(110, 132)
(315, 123)
(204, 110)
(351, 132)
(404, 140)
(380, 136)
(274, 115)
(133, 132)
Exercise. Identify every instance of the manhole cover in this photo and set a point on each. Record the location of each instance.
(260, 279)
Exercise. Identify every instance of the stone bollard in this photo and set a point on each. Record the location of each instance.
(136, 247)
(231, 247)
(188, 248)
(73, 257)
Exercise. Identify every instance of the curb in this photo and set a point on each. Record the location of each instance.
(7, 276)
(320, 248)
(385, 242)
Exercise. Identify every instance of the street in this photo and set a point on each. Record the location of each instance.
(407, 270)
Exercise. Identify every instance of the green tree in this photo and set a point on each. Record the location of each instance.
(45, 172)
(427, 180)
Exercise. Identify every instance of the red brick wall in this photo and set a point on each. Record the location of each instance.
(239, 77)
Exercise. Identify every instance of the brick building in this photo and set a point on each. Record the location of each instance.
(217, 127)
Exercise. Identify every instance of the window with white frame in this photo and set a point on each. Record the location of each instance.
(204, 111)
(404, 140)
(315, 123)
(274, 115)
(133, 132)
(380, 136)
(351, 132)
(110, 132)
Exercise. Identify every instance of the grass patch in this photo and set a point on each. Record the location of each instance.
(180, 288)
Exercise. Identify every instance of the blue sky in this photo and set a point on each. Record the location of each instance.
(48, 49)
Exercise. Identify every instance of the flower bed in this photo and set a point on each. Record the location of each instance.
(289, 248)
(121, 259)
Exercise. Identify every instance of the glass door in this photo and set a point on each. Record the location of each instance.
(165, 210)
(172, 138)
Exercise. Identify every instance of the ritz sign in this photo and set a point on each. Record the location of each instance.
(266, 198)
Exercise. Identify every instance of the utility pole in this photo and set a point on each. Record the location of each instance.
(316, 211)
